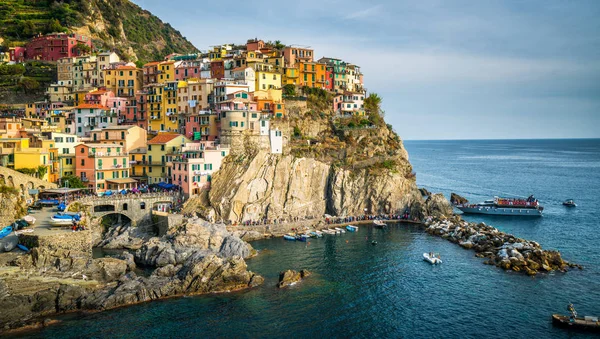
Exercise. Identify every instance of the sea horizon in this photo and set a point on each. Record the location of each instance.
(502, 139)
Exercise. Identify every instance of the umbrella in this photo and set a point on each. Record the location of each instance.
(124, 192)
(108, 193)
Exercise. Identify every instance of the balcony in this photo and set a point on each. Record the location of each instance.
(107, 154)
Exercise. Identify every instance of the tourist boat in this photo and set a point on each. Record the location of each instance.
(585, 323)
(351, 228)
(432, 258)
(341, 230)
(29, 219)
(569, 203)
(5, 231)
(379, 224)
(289, 237)
(529, 207)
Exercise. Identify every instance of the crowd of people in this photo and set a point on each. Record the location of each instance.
(328, 219)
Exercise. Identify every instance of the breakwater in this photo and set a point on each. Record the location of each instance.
(502, 249)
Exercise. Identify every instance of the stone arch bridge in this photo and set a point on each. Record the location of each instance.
(137, 207)
(22, 182)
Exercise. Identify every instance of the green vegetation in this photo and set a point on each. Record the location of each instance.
(38, 172)
(147, 35)
(318, 99)
(72, 181)
(289, 90)
(8, 190)
(32, 77)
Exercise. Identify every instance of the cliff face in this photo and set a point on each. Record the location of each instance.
(325, 168)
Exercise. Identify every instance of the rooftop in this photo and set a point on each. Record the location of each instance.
(163, 138)
(91, 106)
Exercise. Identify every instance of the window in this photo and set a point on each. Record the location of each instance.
(82, 150)
(149, 147)
(65, 151)
(162, 147)
(99, 163)
(82, 162)
(125, 207)
(254, 115)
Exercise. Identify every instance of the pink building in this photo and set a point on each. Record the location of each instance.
(118, 106)
(136, 110)
(189, 69)
(98, 97)
(193, 167)
(54, 46)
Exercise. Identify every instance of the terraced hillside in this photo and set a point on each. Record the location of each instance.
(120, 25)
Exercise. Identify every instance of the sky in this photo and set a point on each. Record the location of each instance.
(456, 69)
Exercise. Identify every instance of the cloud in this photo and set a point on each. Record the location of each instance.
(365, 13)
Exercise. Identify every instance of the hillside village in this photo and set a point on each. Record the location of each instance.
(113, 125)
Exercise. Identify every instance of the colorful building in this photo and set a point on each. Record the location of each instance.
(103, 167)
(266, 77)
(91, 116)
(158, 148)
(124, 81)
(54, 46)
(349, 103)
(294, 54)
(130, 137)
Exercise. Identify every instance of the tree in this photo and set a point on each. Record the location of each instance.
(373, 108)
(41, 171)
(71, 181)
(289, 90)
(28, 85)
(55, 26)
(278, 45)
(82, 49)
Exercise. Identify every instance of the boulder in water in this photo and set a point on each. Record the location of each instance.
(291, 277)
(456, 199)
(438, 206)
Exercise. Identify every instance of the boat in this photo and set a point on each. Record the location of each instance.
(29, 219)
(63, 219)
(379, 224)
(432, 258)
(9, 242)
(586, 323)
(373, 242)
(529, 207)
(5, 231)
(341, 230)
(302, 237)
(289, 237)
(569, 203)
(23, 248)
(329, 231)
(61, 207)
(314, 234)
(19, 224)
(351, 228)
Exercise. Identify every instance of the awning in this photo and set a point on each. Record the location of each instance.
(122, 181)
(61, 190)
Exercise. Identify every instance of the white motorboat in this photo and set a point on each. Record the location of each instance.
(432, 258)
(379, 224)
(340, 230)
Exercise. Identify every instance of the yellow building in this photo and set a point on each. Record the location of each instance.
(8, 146)
(124, 81)
(266, 77)
(291, 76)
(139, 164)
(162, 107)
(270, 101)
(218, 52)
(34, 158)
(158, 148)
(308, 73)
(154, 106)
(166, 71)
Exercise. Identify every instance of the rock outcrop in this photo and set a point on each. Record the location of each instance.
(438, 206)
(502, 249)
(290, 277)
(270, 186)
(194, 258)
(456, 199)
(424, 192)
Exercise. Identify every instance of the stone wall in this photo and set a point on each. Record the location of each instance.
(295, 104)
(18, 180)
(164, 222)
(64, 240)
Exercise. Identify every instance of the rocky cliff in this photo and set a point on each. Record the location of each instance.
(328, 166)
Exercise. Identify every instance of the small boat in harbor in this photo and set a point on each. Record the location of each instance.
(379, 224)
(529, 207)
(319, 234)
(432, 258)
(289, 237)
(29, 219)
(586, 323)
(340, 230)
(351, 228)
(569, 203)
(328, 231)
(302, 237)
(64, 219)
(314, 234)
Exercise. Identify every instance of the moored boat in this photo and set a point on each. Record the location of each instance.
(340, 230)
(569, 203)
(289, 237)
(302, 237)
(351, 228)
(63, 219)
(379, 224)
(432, 258)
(505, 206)
(314, 234)
(328, 231)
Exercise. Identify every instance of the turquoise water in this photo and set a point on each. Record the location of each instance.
(361, 290)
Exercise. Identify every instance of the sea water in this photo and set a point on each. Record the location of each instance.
(386, 290)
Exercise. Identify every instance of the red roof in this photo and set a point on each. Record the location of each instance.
(127, 67)
(91, 106)
(153, 63)
(163, 138)
(100, 91)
